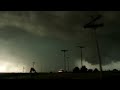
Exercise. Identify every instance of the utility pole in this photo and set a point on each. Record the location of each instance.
(64, 51)
(41, 67)
(33, 64)
(98, 51)
(23, 69)
(68, 62)
(94, 26)
(81, 47)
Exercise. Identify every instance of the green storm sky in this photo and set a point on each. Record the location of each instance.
(27, 36)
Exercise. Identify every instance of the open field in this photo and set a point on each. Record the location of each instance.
(106, 75)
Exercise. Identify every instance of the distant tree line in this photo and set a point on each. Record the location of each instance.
(83, 69)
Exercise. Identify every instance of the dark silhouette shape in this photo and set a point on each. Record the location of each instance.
(83, 69)
(115, 70)
(51, 72)
(95, 70)
(32, 70)
(94, 26)
(81, 47)
(64, 51)
(91, 23)
(76, 70)
(90, 70)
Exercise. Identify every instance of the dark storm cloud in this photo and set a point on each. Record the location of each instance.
(59, 24)
(66, 25)
(52, 23)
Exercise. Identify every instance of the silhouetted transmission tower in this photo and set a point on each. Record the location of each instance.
(81, 47)
(64, 51)
(94, 26)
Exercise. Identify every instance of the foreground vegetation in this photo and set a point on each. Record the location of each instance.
(88, 75)
(77, 73)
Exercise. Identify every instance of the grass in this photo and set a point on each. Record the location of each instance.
(106, 75)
